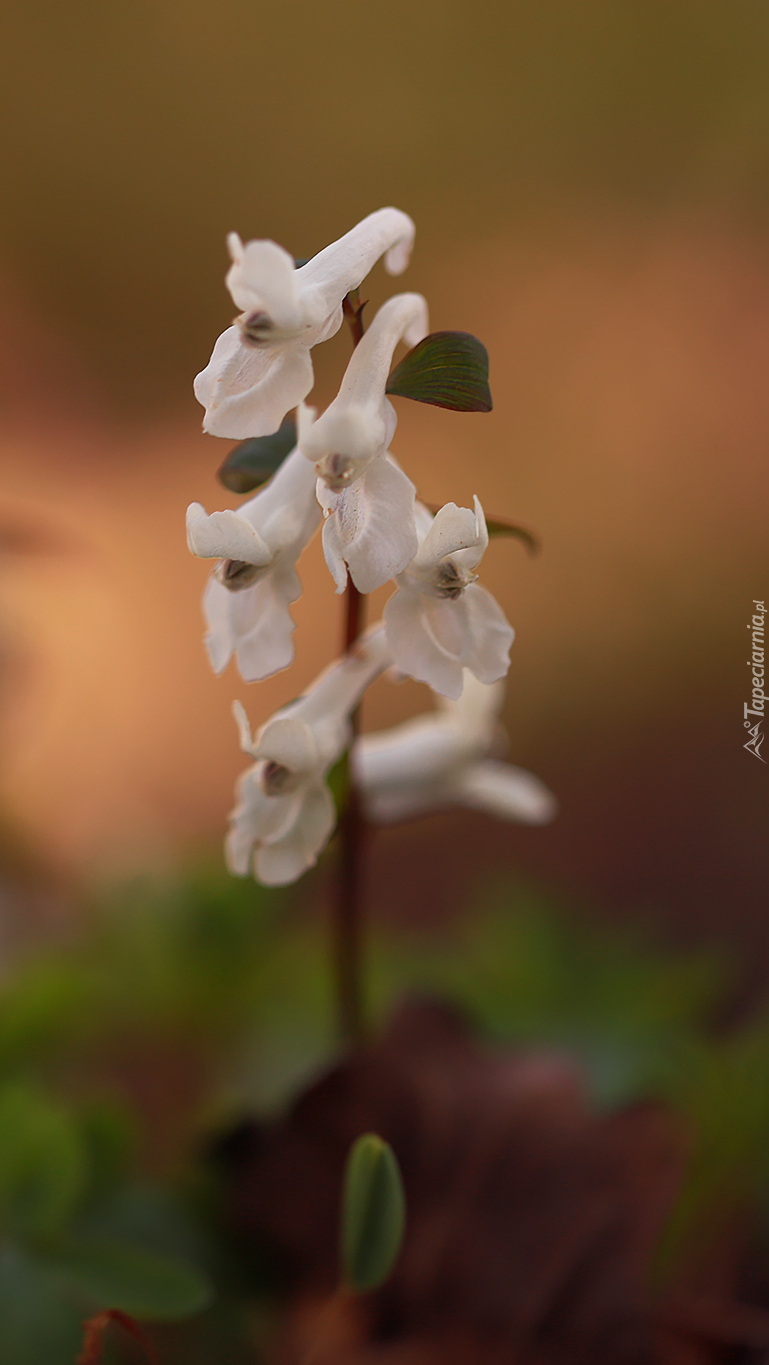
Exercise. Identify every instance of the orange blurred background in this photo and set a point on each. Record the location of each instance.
(589, 184)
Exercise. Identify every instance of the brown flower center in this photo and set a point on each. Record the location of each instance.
(276, 780)
(236, 574)
(255, 327)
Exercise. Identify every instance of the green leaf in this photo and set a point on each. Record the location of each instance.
(42, 1163)
(254, 461)
(108, 1133)
(497, 526)
(373, 1213)
(40, 1319)
(447, 369)
(142, 1283)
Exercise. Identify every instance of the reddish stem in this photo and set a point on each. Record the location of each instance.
(348, 919)
(93, 1336)
(348, 908)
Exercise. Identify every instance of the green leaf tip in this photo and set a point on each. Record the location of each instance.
(497, 526)
(254, 461)
(446, 369)
(373, 1213)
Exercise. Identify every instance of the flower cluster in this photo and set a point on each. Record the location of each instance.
(439, 627)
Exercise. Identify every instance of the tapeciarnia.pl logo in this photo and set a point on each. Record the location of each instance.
(755, 707)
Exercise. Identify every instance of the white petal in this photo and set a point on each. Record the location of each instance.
(306, 418)
(263, 277)
(257, 817)
(334, 549)
(354, 434)
(283, 862)
(220, 638)
(424, 519)
(306, 737)
(235, 246)
(489, 635)
(224, 535)
(264, 640)
(359, 425)
(344, 264)
(244, 727)
(238, 848)
(476, 713)
(229, 357)
(420, 750)
(402, 318)
(412, 620)
(289, 742)
(247, 390)
(285, 512)
(404, 801)
(375, 531)
(453, 528)
(433, 639)
(254, 622)
(414, 765)
(338, 688)
(507, 792)
(327, 705)
(471, 557)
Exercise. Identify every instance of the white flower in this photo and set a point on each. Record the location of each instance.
(440, 621)
(441, 760)
(367, 499)
(285, 813)
(247, 598)
(260, 367)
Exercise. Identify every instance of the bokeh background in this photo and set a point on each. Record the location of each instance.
(590, 184)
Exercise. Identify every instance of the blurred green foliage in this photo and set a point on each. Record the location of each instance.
(177, 1007)
(70, 1239)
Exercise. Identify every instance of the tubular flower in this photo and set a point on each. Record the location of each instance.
(261, 366)
(285, 813)
(441, 760)
(367, 499)
(440, 621)
(247, 598)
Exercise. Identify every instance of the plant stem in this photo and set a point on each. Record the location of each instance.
(347, 928)
(348, 917)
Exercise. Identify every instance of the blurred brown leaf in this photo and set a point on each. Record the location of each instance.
(532, 1220)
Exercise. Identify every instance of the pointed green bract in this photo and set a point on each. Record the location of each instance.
(496, 526)
(447, 369)
(254, 461)
(373, 1213)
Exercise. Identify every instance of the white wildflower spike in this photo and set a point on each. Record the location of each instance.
(285, 813)
(247, 598)
(261, 367)
(440, 621)
(367, 499)
(442, 760)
